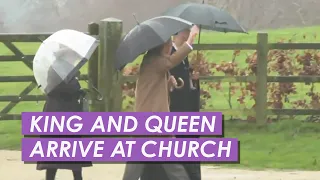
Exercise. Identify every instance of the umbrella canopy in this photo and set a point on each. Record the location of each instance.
(60, 57)
(209, 17)
(147, 35)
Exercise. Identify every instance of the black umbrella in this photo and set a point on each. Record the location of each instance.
(147, 35)
(207, 16)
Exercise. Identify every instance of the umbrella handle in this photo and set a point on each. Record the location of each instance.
(182, 84)
(99, 96)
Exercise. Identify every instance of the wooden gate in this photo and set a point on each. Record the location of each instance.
(22, 48)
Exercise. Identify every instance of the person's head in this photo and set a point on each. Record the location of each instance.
(181, 36)
(167, 47)
(163, 49)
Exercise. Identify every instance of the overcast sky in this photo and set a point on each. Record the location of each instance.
(19, 16)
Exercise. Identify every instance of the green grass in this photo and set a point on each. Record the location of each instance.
(289, 144)
(280, 145)
(219, 99)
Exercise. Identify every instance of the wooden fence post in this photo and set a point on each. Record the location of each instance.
(262, 73)
(110, 31)
(93, 29)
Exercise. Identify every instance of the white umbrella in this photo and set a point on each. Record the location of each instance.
(60, 57)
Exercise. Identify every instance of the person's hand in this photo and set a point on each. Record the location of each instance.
(194, 31)
(83, 92)
(173, 81)
(195, 76)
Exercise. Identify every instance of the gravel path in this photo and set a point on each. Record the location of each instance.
(11, 168)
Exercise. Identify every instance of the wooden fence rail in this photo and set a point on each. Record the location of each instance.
(108, 81)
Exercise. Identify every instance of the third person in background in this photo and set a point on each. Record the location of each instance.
(187, 98)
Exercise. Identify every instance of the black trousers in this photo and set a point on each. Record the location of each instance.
(156, 171)
(51, 174)
(193, 168)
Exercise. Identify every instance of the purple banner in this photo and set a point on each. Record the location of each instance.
(130, 149)
(122, 123)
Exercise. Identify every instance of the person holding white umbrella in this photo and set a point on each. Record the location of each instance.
(56, 64)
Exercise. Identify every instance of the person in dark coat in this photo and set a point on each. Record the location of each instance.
(65, 97)
(187, 98)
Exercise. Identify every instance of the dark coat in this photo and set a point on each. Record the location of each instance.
(64, 98)
(184, 99)
(154, 172)
(160, 171)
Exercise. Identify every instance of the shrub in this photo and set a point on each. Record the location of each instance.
(280, 63)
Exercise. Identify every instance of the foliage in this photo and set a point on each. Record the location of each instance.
(280, 63)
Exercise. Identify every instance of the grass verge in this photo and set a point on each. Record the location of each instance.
(288, 144)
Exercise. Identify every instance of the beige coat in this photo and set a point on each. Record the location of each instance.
(152, 89)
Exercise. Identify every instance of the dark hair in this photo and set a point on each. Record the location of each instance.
(156, 51)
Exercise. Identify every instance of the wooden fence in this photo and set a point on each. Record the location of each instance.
(102, 75)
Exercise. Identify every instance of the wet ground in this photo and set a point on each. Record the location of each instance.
(11, 168)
